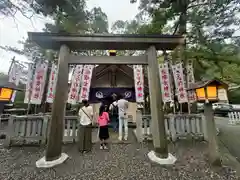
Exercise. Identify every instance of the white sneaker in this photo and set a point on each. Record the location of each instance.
(120, 138)
(125, 138)
(105, 147)
(101, 147)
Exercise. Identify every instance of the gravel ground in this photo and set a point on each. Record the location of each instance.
(229, 136)
(121, 162)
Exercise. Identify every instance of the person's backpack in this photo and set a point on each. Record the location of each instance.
(114, 110)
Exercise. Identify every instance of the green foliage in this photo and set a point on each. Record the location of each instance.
(234, 96)
(72, 17)
(209, 28)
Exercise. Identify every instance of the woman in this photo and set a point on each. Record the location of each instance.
(103, 121)
(113, 109)
(85, 127)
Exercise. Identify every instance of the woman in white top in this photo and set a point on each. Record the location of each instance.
(85, 127)
(123, 121)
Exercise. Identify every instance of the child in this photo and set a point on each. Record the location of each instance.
(103, 121)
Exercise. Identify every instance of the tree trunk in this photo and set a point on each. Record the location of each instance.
(183, 31)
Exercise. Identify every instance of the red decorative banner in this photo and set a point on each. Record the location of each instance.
(52, 84)
(139, 83)
(86, 82)
(179, 83)
(39, 83)
(165, 82)
(75, 85)
(190, 80)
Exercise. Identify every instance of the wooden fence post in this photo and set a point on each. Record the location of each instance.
(10, 131)
(139, 133)
(44, 130)
(172, 128)
(204, 128)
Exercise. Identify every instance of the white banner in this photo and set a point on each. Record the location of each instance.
(14, 76)
(179, 83)
(86, 82)
(190, 80)
(39, 83)
(28, 84)
(165, 82)
(52, 84)
(75, 85)
(139, 83)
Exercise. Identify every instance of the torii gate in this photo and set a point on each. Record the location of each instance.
(66, 42)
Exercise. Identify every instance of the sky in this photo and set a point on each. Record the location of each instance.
(14, 30)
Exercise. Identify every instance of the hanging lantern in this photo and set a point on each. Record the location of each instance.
(207, 91)
(112, 52)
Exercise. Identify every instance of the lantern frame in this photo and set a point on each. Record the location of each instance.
(205, 86)
(112, 52)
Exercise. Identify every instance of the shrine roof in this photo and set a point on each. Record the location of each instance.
(205, 83)
(105, 41)
(5, 84)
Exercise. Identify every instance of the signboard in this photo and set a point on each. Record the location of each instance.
(222, 95)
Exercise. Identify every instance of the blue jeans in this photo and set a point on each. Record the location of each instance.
(114, 123)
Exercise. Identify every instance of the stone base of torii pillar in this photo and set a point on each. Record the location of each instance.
(42, 163)
(162, 161)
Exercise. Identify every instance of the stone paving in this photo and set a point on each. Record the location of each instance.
(121, 162)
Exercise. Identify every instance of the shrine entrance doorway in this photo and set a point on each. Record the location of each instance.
(67, 42)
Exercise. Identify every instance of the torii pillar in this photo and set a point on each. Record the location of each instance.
(54, 155)
(160, 153)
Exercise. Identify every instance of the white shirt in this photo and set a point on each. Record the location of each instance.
(85, 113)
(122, 107)
(113, 104)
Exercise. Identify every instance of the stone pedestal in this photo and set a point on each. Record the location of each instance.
(42, 163)
(162, 161)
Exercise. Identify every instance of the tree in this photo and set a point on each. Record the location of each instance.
(30, 7)
(209, 28)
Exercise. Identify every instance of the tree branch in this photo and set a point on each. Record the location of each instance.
(200, 4)
(177, 24)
